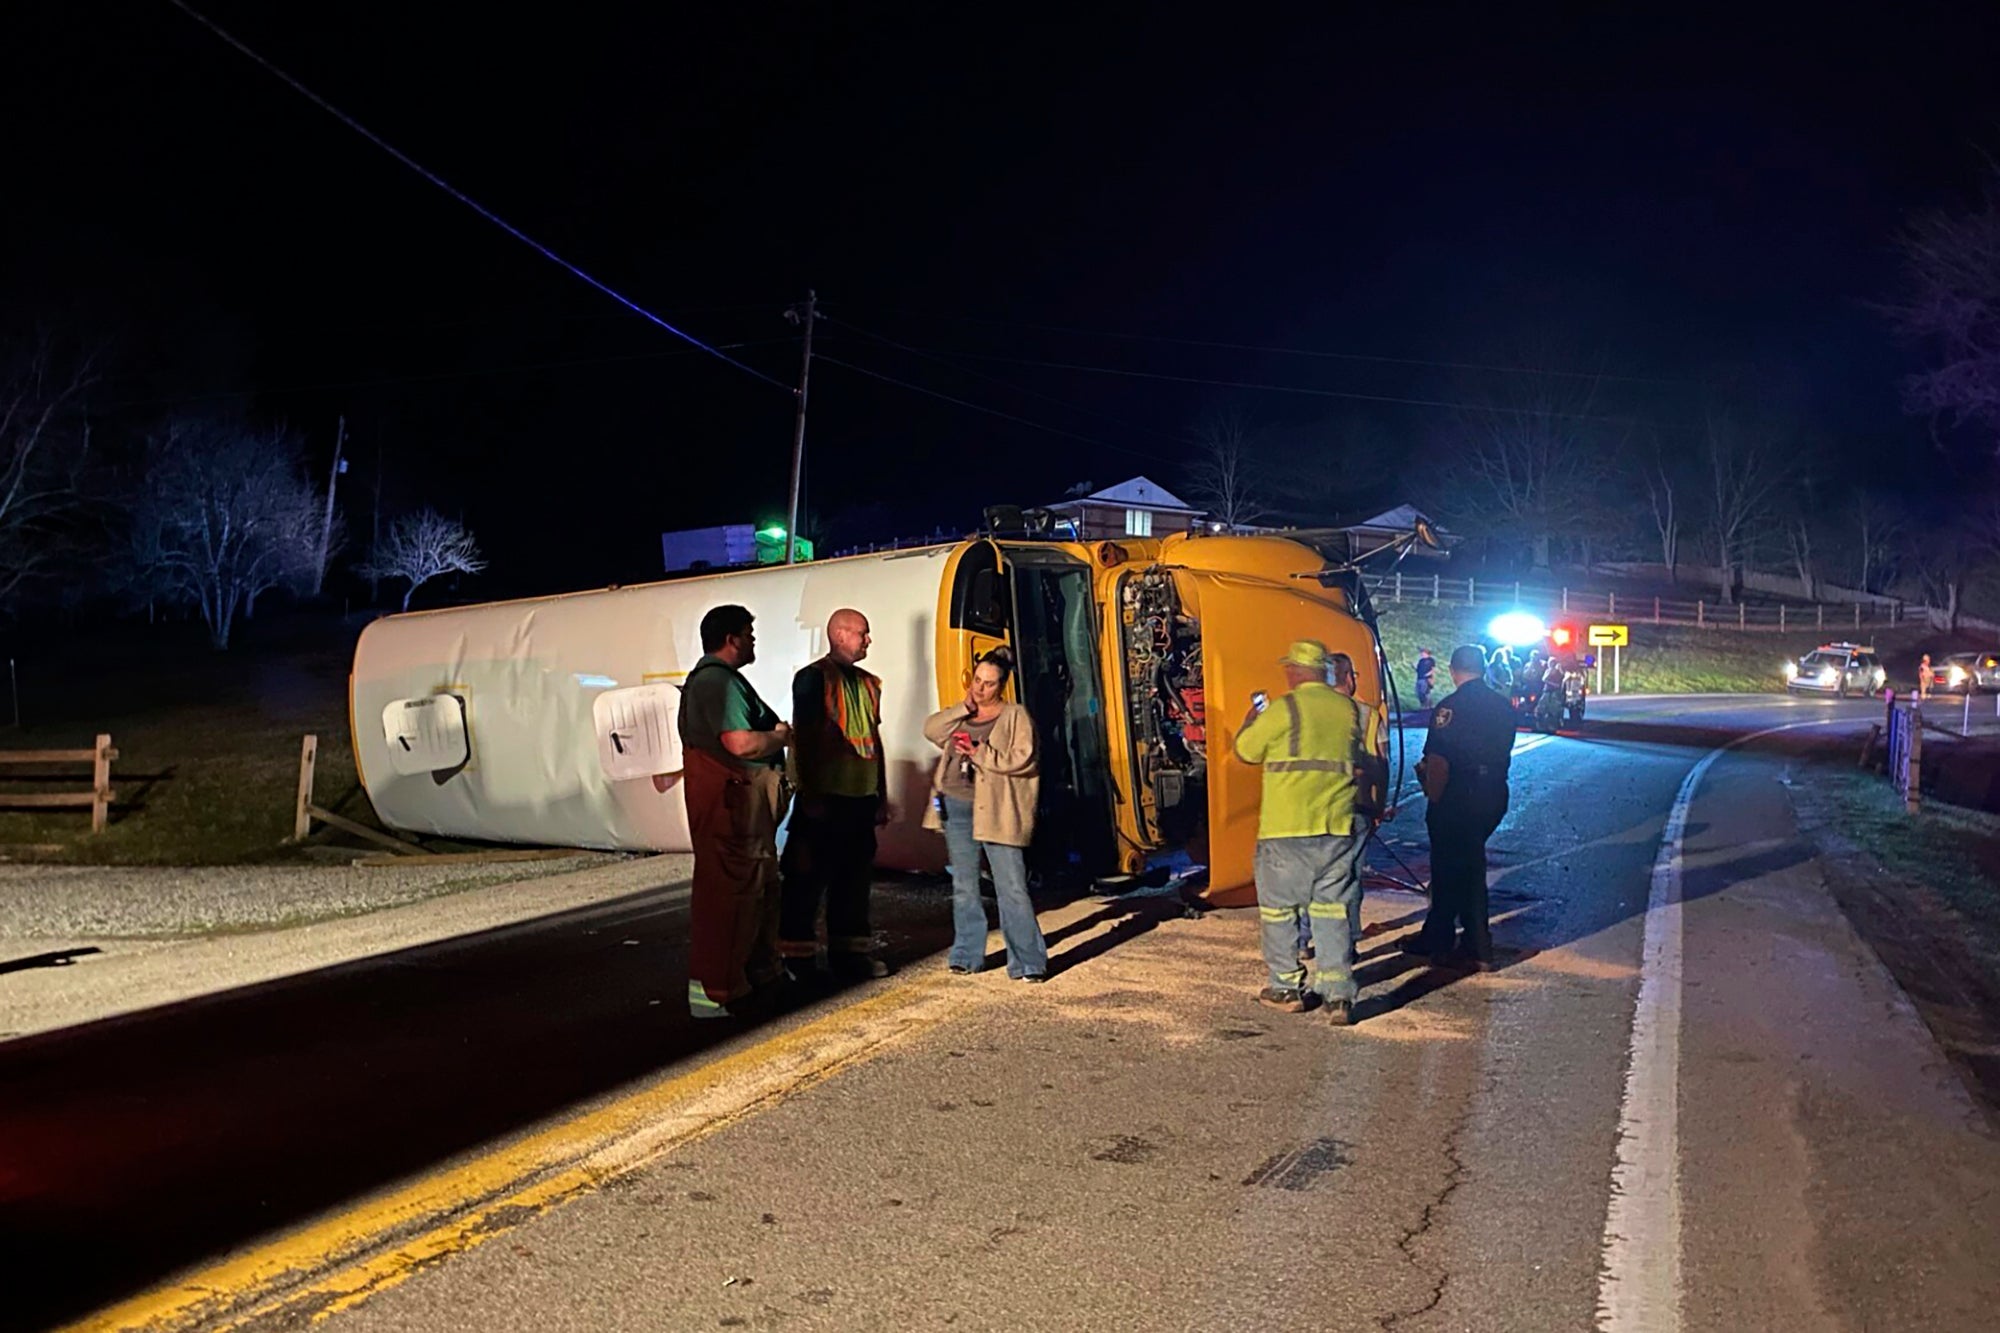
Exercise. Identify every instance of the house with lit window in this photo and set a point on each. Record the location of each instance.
(1136, 508)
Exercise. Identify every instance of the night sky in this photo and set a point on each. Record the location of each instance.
(1682, 200)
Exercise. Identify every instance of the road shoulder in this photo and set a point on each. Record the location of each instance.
(1923, 891)
(104, 977)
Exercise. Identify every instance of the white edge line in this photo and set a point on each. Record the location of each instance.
(1639, 1282)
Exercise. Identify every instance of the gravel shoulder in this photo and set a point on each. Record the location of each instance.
(79, 944)
(149, 902)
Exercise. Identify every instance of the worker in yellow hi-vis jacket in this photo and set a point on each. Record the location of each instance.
(1308, 742)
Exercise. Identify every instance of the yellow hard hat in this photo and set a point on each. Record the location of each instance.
(1307, 653)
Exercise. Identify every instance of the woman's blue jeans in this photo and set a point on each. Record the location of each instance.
(1027, 955)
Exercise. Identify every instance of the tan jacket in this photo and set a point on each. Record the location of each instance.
(1007, 782)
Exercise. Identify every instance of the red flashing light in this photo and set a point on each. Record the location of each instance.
(1562, 636)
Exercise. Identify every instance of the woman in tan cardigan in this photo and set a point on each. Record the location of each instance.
(983, 798)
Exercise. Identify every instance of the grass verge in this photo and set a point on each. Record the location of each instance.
(1950, 852)
(1924, 891)
(208, 743)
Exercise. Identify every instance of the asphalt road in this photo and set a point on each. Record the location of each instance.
(1717, 1114)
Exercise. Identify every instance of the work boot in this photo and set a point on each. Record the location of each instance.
(857, 966)
(805, 976)
(700, 1006)
(1414, 946)
(1282, 998)
(1340, 1013)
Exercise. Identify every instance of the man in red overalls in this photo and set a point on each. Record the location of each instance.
(734, 748)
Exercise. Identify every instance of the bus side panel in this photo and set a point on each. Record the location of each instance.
(1246, 627)
(529, 671)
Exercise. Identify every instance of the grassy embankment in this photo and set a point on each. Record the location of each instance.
(208, 743)
(1949, 851)
(1662, 659)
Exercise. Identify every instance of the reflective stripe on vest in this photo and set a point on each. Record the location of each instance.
(1309, 780)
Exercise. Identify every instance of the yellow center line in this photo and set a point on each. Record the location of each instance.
(335, 1264)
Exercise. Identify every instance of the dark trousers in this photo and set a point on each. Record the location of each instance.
(733, 817)
(829, 857)
(1459, 830)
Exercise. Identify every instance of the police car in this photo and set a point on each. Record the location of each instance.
(1838, 669)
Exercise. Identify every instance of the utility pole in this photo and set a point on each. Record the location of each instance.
(375, 532)
(799, 427)
(326, 524)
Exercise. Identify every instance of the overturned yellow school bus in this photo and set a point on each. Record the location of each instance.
(553, 720)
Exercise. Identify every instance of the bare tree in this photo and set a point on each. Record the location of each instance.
(1945, 553)
(1804, 521)
(1666, 489)
(1223, 480)
(44, 447)
(226, 515)
(1875, 525)
(1740, 476)
(420, 547)
(1529, 463)
(1951, 305)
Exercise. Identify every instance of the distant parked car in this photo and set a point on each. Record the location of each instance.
(1838, 669)
(1963, 672)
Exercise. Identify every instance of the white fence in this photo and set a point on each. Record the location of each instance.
(1400, 587)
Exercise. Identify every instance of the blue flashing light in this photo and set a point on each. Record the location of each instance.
(1517, 629)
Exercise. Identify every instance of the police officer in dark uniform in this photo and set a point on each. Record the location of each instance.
(1464, 773)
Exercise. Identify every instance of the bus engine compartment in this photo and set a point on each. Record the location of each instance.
(1167, 717)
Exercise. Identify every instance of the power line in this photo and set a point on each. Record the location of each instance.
(541, 316)
(1319, 393)
(944, 359)
(467, 199)
(1324, 355)
(433, 377)
(989, 411)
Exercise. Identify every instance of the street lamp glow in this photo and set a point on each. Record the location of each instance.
(1517, 629)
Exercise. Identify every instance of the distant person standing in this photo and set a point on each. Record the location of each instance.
(1308, 743)
(1426, 672)
(1464, 772)
(734, 748)
(1926, 676)
(842, 799)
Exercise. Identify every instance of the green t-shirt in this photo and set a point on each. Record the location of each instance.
(716, 698)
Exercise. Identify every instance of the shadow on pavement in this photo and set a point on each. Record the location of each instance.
(53, 958)
(152, 1141)
(1527, 923)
